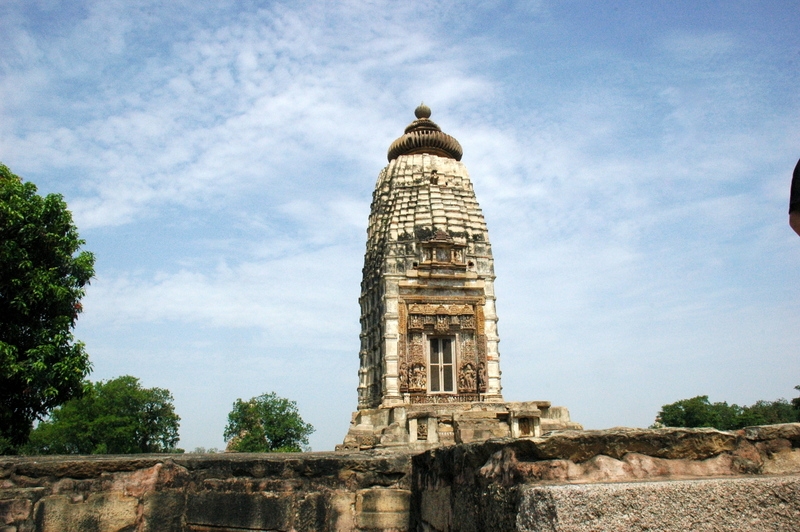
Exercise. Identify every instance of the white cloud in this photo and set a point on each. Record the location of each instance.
(222, 162)
(232, 108)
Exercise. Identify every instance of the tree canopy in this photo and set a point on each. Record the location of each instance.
(113, 417)
(700, 412)
(266, 423)
(42, 278)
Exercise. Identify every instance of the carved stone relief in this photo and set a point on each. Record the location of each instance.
(482, 346)
(467, 347)
(431, 309)
(442, 318)
(402, 377)
(422, 430)
(417, 378)
(467, 378)
(482, 380)
(437, 398)
(416, 351)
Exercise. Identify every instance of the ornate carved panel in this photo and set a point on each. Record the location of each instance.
(467, 378)
(440, 318)
(416, 351)
(430, 309)
(467, 347)
(417, 378)
(401, 318)
(460, 398)
(422, 430)
(459, 316)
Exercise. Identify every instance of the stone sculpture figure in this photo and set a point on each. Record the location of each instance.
(466, 380)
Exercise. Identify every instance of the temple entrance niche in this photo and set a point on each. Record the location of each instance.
(443, 352)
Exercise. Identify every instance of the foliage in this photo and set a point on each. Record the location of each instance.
(113, 417)
(266, 423)
(700, 412)
(203, 450)
(42, 279)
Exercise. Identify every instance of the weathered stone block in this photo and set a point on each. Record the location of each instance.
(100, 512)
(435, 508)
(14, 510)
(719, 505)
(311, 513)
(342, 511)
(693, 444)
(383, 508)
(163, 511)
(789, 431)
(782, 462)
(255, 511)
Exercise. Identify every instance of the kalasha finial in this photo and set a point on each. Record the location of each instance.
(424, 136)
(423, 111)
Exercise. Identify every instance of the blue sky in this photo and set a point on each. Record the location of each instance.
(632, 160)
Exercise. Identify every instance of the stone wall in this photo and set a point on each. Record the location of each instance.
(618, 479)
(205, 493)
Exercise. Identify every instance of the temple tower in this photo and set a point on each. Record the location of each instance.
(428, 320)
(429, 361)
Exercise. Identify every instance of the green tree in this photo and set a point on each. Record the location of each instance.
(266, 423)
(113, 417)
(42, 278)
(768, 413)
(700, 412)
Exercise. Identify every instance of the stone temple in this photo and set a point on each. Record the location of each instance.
(429, 370)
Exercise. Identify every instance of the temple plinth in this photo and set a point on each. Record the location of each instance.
(429, 369)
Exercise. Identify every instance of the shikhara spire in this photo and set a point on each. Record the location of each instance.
(429, 359)
(428, 280)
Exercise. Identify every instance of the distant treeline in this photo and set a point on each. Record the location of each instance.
(700, 412)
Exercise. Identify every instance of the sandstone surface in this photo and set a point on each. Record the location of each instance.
(544, 483)
(619, 479)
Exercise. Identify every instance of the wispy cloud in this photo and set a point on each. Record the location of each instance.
(232, 108)
(221, 159)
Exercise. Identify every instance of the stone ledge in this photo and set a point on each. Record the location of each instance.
(719, 505)
(483, 487)
(619, 479)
